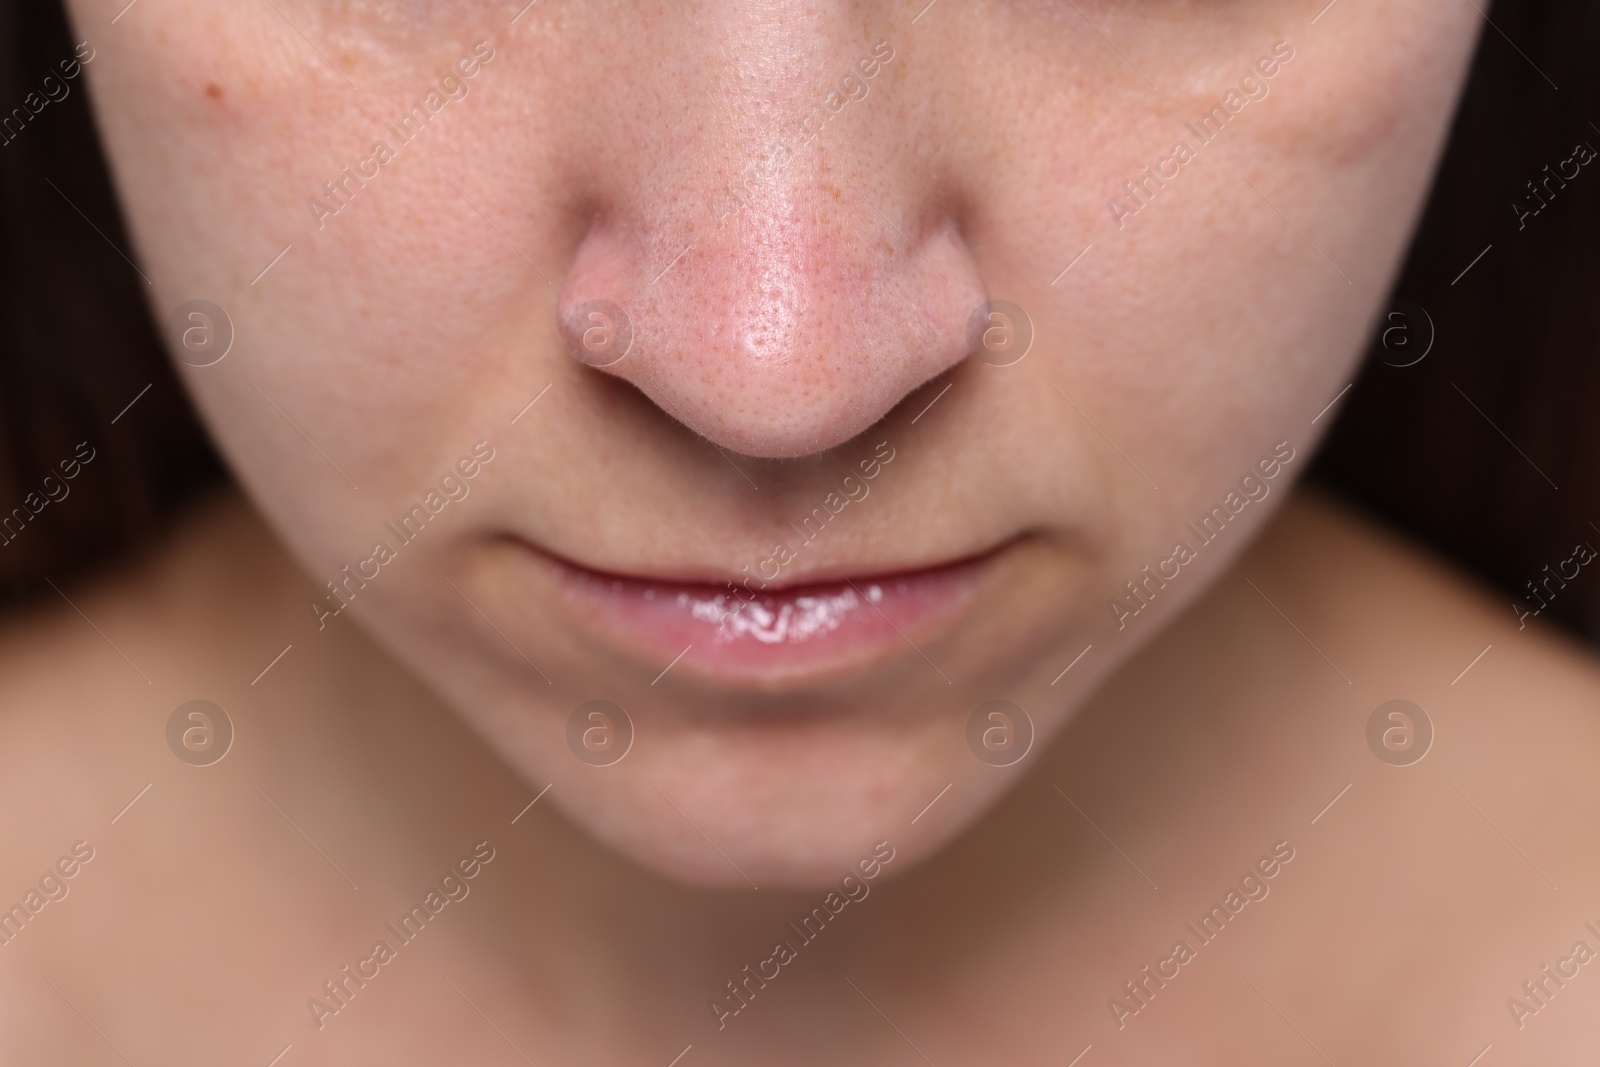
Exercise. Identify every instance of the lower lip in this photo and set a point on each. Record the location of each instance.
(734, 633)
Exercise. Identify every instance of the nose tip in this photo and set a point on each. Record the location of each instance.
(789, 330)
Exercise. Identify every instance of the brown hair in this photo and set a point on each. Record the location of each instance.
(77, 344)
(1464, 449)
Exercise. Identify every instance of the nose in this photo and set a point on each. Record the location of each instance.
(768, 265)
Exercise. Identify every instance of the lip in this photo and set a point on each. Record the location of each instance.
(736, 632)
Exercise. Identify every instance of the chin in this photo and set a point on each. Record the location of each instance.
(788, 807)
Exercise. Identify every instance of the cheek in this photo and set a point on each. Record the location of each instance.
(382, 335)
(1374, 89)
(1231, 307)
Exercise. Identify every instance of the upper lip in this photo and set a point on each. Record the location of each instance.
(799, 575)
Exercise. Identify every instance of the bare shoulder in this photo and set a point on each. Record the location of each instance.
(89, 674)
(139, 840)
(124, 638)
(103, 820)
(1403, 609)
(1458, 863)
(1512, 702)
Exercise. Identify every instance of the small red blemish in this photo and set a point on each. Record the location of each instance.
(213, 90)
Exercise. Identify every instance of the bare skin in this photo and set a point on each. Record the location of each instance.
(1395, 934)
(403, 212)
(798, 214)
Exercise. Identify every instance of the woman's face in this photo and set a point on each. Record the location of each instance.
(641, 353)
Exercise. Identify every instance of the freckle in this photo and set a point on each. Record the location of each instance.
(213, 90)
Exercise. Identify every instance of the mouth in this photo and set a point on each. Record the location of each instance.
(742, 630)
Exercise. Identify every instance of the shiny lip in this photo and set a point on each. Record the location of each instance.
(840, 620)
